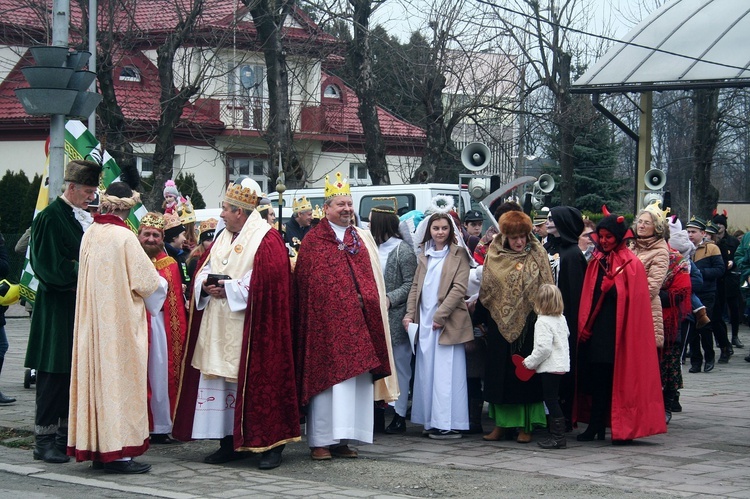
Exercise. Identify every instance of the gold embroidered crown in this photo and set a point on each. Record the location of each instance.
(171, 220)
(186, 212)
(339, 188)
(153, 220)
(317, 213)
(243, 197)
(207, 225)
(301, 204)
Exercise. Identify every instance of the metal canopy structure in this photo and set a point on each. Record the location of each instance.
(685, 44)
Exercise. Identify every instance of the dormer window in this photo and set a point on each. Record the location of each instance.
(130, 73)
(332, 92)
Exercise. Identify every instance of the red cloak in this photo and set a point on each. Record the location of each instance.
(175, 324)
(637, 402)
(337, 336)
(266, 414)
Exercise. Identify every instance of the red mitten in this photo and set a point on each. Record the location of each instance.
(607, 283)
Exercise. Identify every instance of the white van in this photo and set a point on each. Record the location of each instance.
(409, 197)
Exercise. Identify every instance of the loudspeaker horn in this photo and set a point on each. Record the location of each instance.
(545, 183)
(655, 179)
(475, 156)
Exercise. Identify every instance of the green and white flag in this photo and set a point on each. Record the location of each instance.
(79, 144)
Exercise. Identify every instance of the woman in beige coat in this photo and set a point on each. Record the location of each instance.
(653, 252)
(436, 305)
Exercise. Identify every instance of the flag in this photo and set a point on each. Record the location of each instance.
(79, 144)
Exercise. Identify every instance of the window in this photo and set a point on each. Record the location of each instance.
(255, 168)
(358, 174)
(145, 165)
(130, 73)
(332, 92)
(406, 203)
(247, 80)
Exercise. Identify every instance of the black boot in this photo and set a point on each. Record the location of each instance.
(271, 459)
(225, 453)
(556, 439)
(676, 407)
(475, 416)
(724, 357)
(61, 439)
(668, 403)
(3, 399)
(736, 341)
(46, 450)
(397, 426)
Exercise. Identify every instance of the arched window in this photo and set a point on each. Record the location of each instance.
(332, 92)
(130, 73)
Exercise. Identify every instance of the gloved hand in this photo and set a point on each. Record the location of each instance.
(607, 284)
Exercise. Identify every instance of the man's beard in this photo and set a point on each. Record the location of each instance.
(152, 250)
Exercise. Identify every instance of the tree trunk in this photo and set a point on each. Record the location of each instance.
(706, 137)
(365, 89)
(562, 117)
(115, 140)
(171, 101)
(269, 22)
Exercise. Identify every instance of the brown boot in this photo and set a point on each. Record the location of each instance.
(701, 318)
(523, 437)
(497, 433)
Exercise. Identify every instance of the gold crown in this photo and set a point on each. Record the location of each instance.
(243, 197)
(317, 213)
(301, 204)
(655, 209)
(171, 221)
(186, 212)
(153, 220)
(338, 188)
(207, 225)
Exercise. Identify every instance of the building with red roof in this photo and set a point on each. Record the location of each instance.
(220, 134)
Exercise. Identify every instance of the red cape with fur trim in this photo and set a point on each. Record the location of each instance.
(336, 337)
(637, 402)
(266, 414)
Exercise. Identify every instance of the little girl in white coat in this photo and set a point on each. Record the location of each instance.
(550, 358)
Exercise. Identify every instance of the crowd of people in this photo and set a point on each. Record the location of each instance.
(228, 331)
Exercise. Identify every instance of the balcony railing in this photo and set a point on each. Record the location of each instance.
(252, 113)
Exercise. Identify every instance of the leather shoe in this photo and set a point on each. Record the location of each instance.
(320, 453)
(224, 455)
(6, 400)
(163, 439)
(694, 369)
(398, 425)
(128, 467)
(271, 458)
(708, 367)
(737, 343)
(523, 437)
(498, 433)
(344, 451)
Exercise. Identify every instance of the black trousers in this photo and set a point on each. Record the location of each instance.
(550, 391)
(52, 402)
(703, 336)
(716, 314)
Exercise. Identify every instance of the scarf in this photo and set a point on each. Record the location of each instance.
(510, 282)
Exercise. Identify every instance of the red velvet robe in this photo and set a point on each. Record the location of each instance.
(266, 414)
(336, 337)
(637, 402)
(175, 324)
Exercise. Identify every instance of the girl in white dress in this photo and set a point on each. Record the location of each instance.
(436, 303)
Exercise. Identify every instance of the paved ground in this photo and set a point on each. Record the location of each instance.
(707, 451)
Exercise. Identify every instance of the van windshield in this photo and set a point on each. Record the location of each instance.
(406, 203)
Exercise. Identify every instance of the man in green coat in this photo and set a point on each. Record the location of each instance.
(55, 242)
